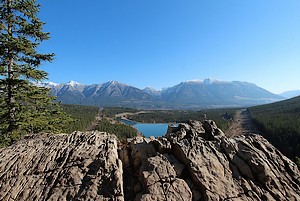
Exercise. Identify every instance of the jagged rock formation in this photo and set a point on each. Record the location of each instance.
(194, 162)
(197, 162)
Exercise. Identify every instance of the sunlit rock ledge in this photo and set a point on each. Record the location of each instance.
(194, 161)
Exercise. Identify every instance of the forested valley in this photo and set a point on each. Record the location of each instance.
(83, 117)
(278, 122)
(91, 118)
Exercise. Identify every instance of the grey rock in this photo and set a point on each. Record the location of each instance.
(80, 166)
(200, 163)
(194, 162)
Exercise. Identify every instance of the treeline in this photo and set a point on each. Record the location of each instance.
(122, 131)
(280, 124)
(83, 117)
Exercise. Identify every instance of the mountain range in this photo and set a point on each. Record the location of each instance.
(192, 94)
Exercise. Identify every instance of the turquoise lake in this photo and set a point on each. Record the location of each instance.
(149, 129)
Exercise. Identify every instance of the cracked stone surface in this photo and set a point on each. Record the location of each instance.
(196, 161)
(80, 166)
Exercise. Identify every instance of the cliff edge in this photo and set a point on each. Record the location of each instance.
(195, 161)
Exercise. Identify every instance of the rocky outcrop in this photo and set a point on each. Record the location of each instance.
(196, 161)
(80, 166)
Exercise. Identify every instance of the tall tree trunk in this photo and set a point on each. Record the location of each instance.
(10, 78)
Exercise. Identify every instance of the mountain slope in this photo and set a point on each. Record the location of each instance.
(290, 94)
(70, 93)
(152, 91)
(106, 94)
(211, 92)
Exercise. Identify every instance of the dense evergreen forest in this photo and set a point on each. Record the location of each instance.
(83, 117)
(280, 124)
(122, 131)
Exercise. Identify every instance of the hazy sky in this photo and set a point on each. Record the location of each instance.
(160, 43)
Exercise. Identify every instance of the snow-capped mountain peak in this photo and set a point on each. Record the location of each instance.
(152, 91)
(46, 84)
(209, 81)
(206, 81)
(51, 84)
(73, 83)
(113, 82)
(194, 81)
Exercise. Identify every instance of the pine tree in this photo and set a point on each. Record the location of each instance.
(25, 107)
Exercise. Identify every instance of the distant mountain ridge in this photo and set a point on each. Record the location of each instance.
(290, 94)
(192, 94)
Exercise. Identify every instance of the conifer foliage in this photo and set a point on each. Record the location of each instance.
(24, 107)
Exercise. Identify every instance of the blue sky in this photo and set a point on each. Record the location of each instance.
(160, 43)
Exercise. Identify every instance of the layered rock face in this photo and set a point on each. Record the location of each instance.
(193, 162)
(80, 166)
